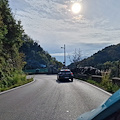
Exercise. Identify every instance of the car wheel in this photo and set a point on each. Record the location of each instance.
(72, 80)
(57, 78)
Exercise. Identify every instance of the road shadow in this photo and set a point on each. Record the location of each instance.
(63, 81)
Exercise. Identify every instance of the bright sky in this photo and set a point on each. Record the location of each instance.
(92, 26)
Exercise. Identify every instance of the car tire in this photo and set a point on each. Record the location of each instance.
(72, 80)
(58, 78)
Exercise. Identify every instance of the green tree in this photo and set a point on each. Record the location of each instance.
(75, 58)
(35, 56)
(10, 41)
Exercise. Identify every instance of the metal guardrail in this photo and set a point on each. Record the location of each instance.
(116, 81)
(97, 78)
(42, 70)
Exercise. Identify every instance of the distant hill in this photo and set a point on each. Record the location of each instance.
(110, 53)
(35, 56)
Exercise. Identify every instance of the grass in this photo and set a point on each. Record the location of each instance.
(106, 83)
(15, 80)
(107, 87)
(15, 85)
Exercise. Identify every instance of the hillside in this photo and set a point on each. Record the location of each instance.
(110, 53)
(10, 42)
(13, 43)
(35, 57)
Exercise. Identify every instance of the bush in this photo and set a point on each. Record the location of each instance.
(106, 83)
(16, 79)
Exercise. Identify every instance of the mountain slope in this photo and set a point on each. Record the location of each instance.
(110, 53)
(35, 56)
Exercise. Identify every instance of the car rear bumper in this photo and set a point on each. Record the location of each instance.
(65, 77)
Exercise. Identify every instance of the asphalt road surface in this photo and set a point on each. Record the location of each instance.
(48, 99)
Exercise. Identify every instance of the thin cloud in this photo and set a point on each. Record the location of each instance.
(52, 24)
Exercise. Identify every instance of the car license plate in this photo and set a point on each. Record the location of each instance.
(66, 77)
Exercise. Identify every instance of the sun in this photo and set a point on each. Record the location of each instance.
(76, 8)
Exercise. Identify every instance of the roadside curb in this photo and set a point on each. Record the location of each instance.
(95, 87)
(17, 87)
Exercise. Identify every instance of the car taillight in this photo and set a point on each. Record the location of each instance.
(71, 73)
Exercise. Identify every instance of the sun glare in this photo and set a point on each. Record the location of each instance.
(76, 8)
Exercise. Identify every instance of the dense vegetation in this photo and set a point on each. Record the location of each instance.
(10, 41)
(106, 59)
(110, 53)
(17, 49)
(35, 56)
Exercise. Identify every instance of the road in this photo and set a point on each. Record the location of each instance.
(48, 99)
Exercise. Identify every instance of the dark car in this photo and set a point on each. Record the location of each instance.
(65, 74)
(110, 110)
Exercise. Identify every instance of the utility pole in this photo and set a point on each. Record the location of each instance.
(64, 55)
(118, 68)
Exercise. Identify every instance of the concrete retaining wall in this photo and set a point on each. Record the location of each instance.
(96, 78)
(116, 81)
